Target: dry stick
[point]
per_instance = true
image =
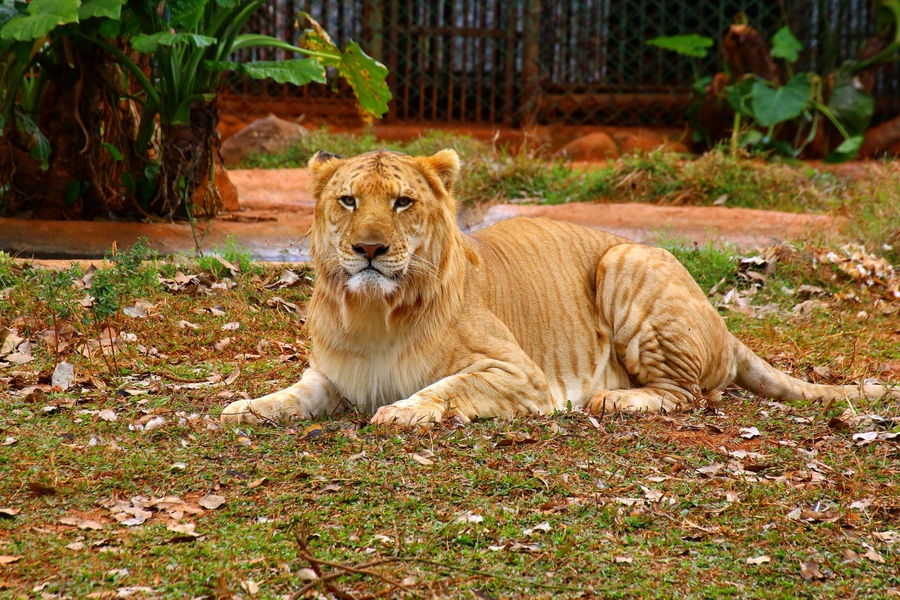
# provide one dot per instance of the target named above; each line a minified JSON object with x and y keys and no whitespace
{"x":361,"y":569}
{"x":471,"y":571}
{"x":316,"y":565}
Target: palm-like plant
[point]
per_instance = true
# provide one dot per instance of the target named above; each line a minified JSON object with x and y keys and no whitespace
{"x":162,"y":65}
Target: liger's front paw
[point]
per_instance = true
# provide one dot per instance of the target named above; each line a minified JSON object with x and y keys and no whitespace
{"x":239,"y":412}
{"x":636,"y":400}
{"x":404,"y":416}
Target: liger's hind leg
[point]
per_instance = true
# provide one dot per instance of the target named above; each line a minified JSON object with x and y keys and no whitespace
{"x":664,"y":332}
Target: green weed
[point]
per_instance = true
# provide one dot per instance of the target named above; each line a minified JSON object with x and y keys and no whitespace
{"x":235,"y":255}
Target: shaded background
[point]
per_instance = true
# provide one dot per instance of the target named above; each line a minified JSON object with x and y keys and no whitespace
{"x":576,"y":62}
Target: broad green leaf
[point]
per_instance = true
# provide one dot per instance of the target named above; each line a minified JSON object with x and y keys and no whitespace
{"x":738,"y":96}
{"x":887,"y":18}
{"x":110,"y":28}
{"x":298,"y":72}
{"x":113,"y":151}
{"x":317,"y":39}
{"x":368,"y":78}
{"x":846,"y":151}
{"x":785,"y":45}
{"x":150,"y":42}
{"x":254,"y":40}
{"x":186,"y":14}
{"x":751,"y":138}
{"x":43,"y":17}
{"x":772,"y":105}
{"x":851,"y":105}
{"x":109,"y":9}
{"x":38,"y":144}
{"x":687,"y":45}
{"x":365,"y":75}
{"x":7,"y":12}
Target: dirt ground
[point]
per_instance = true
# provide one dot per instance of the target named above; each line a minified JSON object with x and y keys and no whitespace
{"x":276,"y":206}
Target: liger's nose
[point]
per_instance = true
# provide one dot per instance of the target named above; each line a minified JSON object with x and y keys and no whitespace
{"x":370,"y":251}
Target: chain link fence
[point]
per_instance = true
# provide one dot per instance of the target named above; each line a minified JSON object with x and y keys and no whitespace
{"x":521,"y":62}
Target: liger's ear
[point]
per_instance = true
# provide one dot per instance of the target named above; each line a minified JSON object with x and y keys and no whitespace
{"x":321,"y":167}
{"x":444,"y":164}
{"x":320,"y":160}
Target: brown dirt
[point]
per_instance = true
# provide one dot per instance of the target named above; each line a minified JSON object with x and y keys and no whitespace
{"x":276,"y":212}
{"x":276,"y":207}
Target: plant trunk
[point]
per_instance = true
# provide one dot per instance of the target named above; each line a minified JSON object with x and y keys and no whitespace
{"x":745,"y":52}
{"x":90,"y":132}
{"x":189,"y":155}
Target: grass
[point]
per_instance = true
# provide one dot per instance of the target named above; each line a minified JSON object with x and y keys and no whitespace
{"x":565,"y":506}
{"x":494,"y":174}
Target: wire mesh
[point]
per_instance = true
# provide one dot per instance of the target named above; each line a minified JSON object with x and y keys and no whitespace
{"x":517,"y":62}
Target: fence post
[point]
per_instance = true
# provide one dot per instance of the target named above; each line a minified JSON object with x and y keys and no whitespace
{"x":531,"y":69}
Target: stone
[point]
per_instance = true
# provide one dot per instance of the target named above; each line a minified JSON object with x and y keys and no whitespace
{"x":595,"y":146}
{"x":263,"y":136}
{"x":643,"y":142}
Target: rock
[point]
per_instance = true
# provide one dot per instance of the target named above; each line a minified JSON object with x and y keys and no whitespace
{"x":227,"y":189}
{"x":594,"y":146}
{"x":642,"y":142}
{"x":207,"y":205}
{"x":267,"y":135}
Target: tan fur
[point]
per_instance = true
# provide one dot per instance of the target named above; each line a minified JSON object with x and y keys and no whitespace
{"x":527,"y":316}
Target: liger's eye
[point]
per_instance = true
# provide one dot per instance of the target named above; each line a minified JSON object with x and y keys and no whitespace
{"x":347,"y":201}
{"x":403,"y":202}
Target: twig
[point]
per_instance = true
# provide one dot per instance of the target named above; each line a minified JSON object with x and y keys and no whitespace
{"x":471,"y":571}
{"x":325,"y":578}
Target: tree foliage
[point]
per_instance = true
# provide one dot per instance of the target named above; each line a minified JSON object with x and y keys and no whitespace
{"x":788,"y":113}
{"x":116,"y":99}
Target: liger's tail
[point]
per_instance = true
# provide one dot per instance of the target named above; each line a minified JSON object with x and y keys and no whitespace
{"x":761,"y":378}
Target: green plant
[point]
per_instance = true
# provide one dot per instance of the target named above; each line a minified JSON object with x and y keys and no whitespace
{"x":160,"y":67}
{"x":786,"y":117}
{"x":58,"y":299}
{"x":234,"y":255}
{"x":709,"y":265}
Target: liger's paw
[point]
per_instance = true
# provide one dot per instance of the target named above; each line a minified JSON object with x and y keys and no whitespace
{"x":239,"y":412}
{"x":635,"y":400}
{"x":404,"y":416}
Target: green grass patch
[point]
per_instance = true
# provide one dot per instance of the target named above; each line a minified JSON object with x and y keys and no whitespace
{"x":124,"y":484}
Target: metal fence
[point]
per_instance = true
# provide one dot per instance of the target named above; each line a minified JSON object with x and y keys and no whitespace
{"x":516,"y":62}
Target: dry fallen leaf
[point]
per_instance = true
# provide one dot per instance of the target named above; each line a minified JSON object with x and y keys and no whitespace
{"x":421,"y":459}
{"x":81,"y":523}
{"x":543,"y":527}
{"x":759,"y":560}
{"x":469,"y":517}
{"x":888,"y":537}
{"x":748,"y":432}
{"x":312,"y":432}
{"x":107,"y":414}
{"x":873,"y":555}
{"x":810,"y":570}
{"x":250,"y":586}
{"x":211,"y":501}
{"x":6,"y":559}
{"x":187,"y":529}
